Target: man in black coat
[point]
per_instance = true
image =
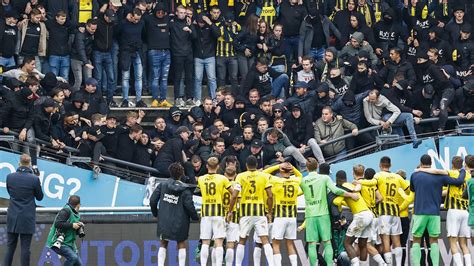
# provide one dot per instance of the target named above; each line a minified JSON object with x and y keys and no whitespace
{"x":23,"y":187}
{"x":172,"y":151}
{"x":175,"y":209}
{"x":81,"y":53}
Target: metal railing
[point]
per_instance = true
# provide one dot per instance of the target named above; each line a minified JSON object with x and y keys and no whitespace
{"x":146,"y":171}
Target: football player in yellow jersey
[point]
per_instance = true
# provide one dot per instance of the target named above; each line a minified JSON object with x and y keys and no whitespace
{"x":285,"y":189}
{"x":252,"y":185}
{"x":390,"y":226}
{"x":371,"y":196}
{"x":212,"y":226}
{"x":233,"y":229}
{"x":361,"y":225}
{"x":405,"y":220}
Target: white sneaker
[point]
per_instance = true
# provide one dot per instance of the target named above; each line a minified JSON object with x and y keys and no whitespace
{"x":131,"y":104}
{"x":197,"y":102}
{"x":179,"y":102}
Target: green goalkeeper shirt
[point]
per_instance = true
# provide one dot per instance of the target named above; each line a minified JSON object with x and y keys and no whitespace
{"x":315,"y":188}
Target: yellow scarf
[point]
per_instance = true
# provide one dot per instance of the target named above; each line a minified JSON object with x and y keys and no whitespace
{"x":366,"y":12}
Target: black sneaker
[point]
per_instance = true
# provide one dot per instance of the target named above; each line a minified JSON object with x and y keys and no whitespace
{"x":124,"y":104}
{"x":113,"y":104}
{"x":141,"y":104}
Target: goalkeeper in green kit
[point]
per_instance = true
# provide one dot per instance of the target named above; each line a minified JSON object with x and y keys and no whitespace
{"x":318,"y":222}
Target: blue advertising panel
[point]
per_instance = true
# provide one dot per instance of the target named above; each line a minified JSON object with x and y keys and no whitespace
{"x":59,"y":181}
{"x":403,"y":157}
{"x":452,"y":146}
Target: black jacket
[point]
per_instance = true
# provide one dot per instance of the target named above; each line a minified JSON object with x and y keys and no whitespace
{"x":142,"y":154}
{"x":388,"y":72}
{"x":157,"y":32}
{"x":96,"y":101}
{"x":42,"y":124}
{"x":246,"y":40}
{"x":58,"y":41}
{"x":180,"y":40}
{"x":103,"y":36}
{"x":429,"y":73}
{"x":299,"y":130}
{"x":400,"y":98}
{"x":82,"y":47}
{"x":205,"y":41}
{"x":171,"y":152}
{"x":17,"y":112}
{"x":8,"y":39}
{"x":23,"y":187}
{"x":172,"y":203}
{"x":464,"y":101}
{"x":291,"y":17}
{"x":261,"y":81}
{"x":387,"y":33}
{"x":127,"y":148}
{"x":361,"y":82}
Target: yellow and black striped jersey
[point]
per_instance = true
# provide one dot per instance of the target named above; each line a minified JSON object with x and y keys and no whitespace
{"x":388,"y":185}
{"x":269,"y":12}
{"x":213,"y":187}
{"x":454,"y":199}
{"x":400,"y":199}
{"x":225,"y":42}
{"x":368,"y":193}
{"x":285,"y":195}
{"x":252,"y":186}
{"x":226,"y":202}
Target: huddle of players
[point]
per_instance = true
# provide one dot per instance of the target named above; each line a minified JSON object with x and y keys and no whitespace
{"x":381,"y":222}
{"x":379,"y":204}
{"x":264,"y":198}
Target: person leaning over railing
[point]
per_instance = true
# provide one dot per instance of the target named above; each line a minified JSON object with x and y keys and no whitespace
{"x":375,"y":104}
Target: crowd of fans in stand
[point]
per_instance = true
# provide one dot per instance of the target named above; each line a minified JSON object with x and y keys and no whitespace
{"x":301,"y":73}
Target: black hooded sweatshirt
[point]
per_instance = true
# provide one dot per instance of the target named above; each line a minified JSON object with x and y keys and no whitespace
{"x":172,"y":204}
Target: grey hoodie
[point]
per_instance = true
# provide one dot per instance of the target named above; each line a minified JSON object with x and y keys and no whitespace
{"x":349,"y":51}
{"x":374,"y":111}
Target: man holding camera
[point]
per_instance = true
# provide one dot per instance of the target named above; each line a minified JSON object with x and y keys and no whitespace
{"x":62,"y":236}
{"x":23,"y":187}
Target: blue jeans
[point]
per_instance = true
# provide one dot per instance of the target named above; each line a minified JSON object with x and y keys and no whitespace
{"x":407,"y":120}
{"x":115,"y":52}
{"x":208,"y":64}
{"x":72,"y":258}
{"x":138,"y":71}
{"x":159,"y":61}
{"x":279,"y":68}
{"x":59,"y":65}
{"x":291,"y":48}
{"x":7,"y":61}
{"x":103,"y":61}
{"x":279,"y":84}
{"x":317,"y":54}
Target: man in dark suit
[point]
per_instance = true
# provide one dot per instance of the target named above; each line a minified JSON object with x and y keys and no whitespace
{"x":23,"y":187}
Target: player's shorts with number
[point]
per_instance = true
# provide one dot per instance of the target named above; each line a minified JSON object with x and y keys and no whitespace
{"x":212,"y":227}
{"x":284,"y":228}
{"x":361,"y":225}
